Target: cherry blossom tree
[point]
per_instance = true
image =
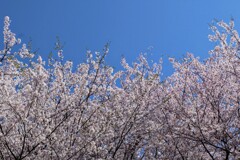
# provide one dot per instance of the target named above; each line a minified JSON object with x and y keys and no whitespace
{"x":52,"y":112}
{"x":56,"y":111}
{"x":204,"y":106}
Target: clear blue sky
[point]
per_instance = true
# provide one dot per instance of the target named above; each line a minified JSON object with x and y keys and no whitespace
{"x":169,"y":27}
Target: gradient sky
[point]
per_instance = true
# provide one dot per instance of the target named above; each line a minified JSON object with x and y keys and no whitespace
{"x":162,"y":28}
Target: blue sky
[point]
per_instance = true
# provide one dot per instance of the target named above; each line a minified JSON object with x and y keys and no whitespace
{"x":162,"y":28}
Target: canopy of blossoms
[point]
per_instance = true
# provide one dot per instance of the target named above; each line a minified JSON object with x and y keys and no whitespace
{"x":51,"y":110}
